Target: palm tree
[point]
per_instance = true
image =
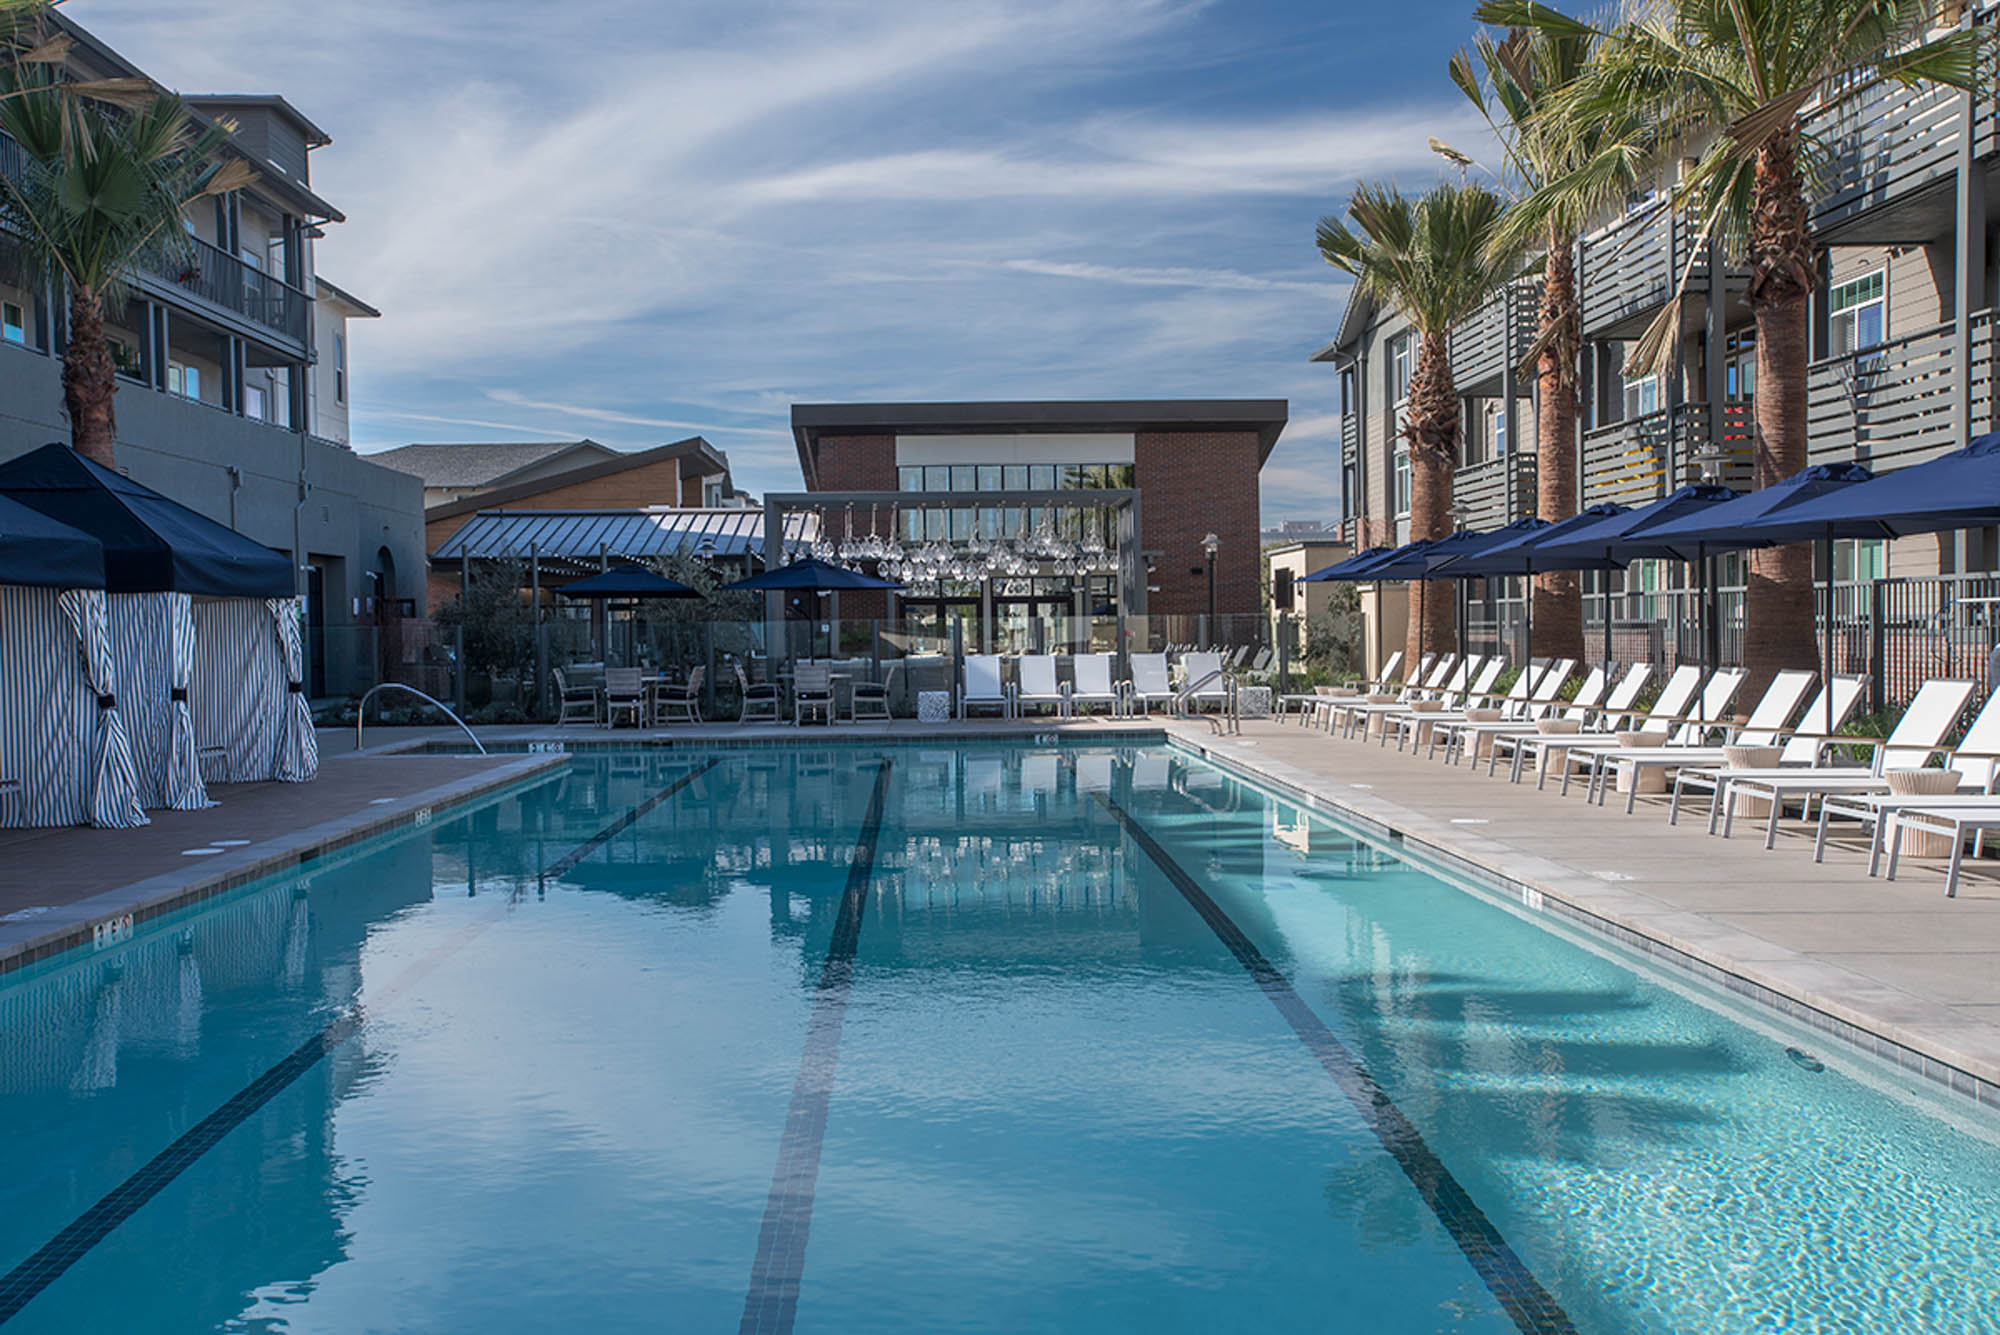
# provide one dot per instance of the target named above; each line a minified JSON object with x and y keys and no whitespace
{"x":1738,"y":75}
{"x":1434,"y":260}
{"x":1512,"y":85}
{"x":110,"y":166}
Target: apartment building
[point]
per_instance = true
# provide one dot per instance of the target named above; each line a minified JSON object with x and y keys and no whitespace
{"x":1903,"y":346}
{"x":234,"y":379}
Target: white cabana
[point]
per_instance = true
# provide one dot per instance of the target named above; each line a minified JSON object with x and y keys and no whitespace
{"x":247,"y":693}
{"x":62,"y":741}
{"x":152,"y":645}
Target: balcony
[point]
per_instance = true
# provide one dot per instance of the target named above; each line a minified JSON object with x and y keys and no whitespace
{"x":1497,"y":333}
{"x":1350,"y":439}
{"x":1636,"y":462}
{"x":1496,"y":492}
{"x":220,"y":281}
{"x":1893,"y":404}
{"x":211,"y":281}
{"x":1885,"y":143}
{"x":1628,"y":270}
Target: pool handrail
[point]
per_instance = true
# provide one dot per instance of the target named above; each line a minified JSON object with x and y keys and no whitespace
{"x":361,"y":711}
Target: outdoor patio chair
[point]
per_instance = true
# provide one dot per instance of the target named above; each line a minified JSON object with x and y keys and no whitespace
{"x":760,"y":702}
{"x":1553,"y":752}
{"x":812,"y":691}
{"x":624,"y":693}
{"x":982,"y":686}
{"x":577,"y":701}
{"x":1346,"y":710}
{"x":1496,"y":737}
{"x":1364,"y":715}
{"x":1974,"y":764}
{"x":684,"y":701}
{"x":1310,"y":704}
{"x":1093,"y":684}
{"x":1409,"y":723}
{"x":870,"y":699}
{"x":1202,"y":680}
{"x":1686,"y":726}
{"x":1916,"y":738}
{"x":1533,"y":692}
{"x":1801,"y":746}
{"x":1149,"y":683}
{"x":1036,"y":684}
{"x":1953,"y":822}
{"x":1764,"y":727}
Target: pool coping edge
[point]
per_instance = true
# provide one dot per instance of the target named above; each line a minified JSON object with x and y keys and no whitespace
{"x":79,"y":923}
{"x":1536,"y":884}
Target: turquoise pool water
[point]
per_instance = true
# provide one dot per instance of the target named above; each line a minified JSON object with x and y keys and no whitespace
{"x":993,"y":1039}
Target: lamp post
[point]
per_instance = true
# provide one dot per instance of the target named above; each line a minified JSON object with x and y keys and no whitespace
{"x":1461,"y":517}
{"x":1210,"y":544}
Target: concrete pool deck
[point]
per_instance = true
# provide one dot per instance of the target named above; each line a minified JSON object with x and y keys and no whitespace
{"x":1893,"y":967}
{"x":61,"y":886}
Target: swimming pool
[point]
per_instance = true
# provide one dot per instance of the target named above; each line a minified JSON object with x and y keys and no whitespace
{"x":995,"y":1038}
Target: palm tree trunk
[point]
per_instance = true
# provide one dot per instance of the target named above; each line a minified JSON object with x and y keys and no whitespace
{"x":1432,"y":426}
{"x":1778,"y":606}
{"x":1558,"y":596}
{"x":89,"y":381}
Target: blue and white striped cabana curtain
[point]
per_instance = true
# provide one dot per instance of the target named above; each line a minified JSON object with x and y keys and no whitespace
{"x":242,"y":691}
{"x":298,"y":744}
{"x":152,"y":644}
{"x":61,"y":737}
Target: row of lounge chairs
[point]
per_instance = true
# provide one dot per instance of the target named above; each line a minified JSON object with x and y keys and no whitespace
{"x":1787,"y":755}
{"x":1036,"y":685}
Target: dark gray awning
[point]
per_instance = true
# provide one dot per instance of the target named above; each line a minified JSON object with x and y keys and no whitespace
{"x":627,"y":535}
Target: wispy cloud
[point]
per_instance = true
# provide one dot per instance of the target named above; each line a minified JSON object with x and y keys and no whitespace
{"x":632,"y":220}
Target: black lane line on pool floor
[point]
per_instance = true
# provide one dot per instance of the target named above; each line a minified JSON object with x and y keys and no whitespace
{"x":1533,"y":1309}
{"x":772,"y":1304}
{"x":625,"y":822}
{"x":20,"y":1286}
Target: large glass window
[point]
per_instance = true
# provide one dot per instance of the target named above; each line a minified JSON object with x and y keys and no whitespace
{"x":910,"y":479}
{"x":13,"y":322}
{"x":1863,"y":559}
{"x":964,"y":477}
{"x":937,"y":477}
{"x":1642,"y":395}
{"x":1402,"y":355}
{"x":989,"y":477}
{"x":1858,"y":314}
{"x":1402,"y":483}
{"x":1042,"y":477}
{"x":1014,"y":477}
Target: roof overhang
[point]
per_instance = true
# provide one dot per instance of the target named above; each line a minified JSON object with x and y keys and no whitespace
{"x":697,"y":458}
{"x":810,"y":421}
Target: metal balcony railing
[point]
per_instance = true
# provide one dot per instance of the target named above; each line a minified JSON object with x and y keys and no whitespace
{"x":1892,"y":404}
{"x":1644,"y":458}
{"x":211,"y":274}
{"x":1350,"y":437}
{"x":1496,"y":492}
{"x":1883,"y":141}
{"x":1629,"y":269}
{"x":1500,"y":331}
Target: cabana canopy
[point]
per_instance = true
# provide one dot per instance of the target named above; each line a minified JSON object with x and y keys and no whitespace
{"x":151,"y":544}
{"x":629,"y":582}
{"x":40,"y":551}
{"x":811,"y":573}
{"x":1957,"y":490}
{"x":1338,"y":570}
{"x":1750,"y":519}
{"x":1518,"y":554}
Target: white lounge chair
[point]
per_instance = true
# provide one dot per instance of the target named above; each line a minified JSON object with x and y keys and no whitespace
{"x":1532,"y":696}
{"x":1309,"y":704}
{"x":1954,"y":823}
{"x":1698,"y":726}
{"x":1037,"y":685}
{"x":1202,"y":681}
{"x":1975,"y":762}
{"x":1916,"y":738}
{"x":1149,"y":682}
{"x":1093,"y":684}
{"x":1448,"y":676}
{"x":983,"y":686}
{"x":1804,"y":746}
{"x":1553,"y":751}
{"x":1492,"y":737}
{"x":1764,"y":727}
{"x":1409,"y":723}
{"x":1432,"y":677}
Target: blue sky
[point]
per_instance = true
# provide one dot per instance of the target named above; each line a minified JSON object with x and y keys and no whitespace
{"x":636,"y":221}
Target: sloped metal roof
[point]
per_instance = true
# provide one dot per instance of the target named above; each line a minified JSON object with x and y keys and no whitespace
{"x":616,"y":534}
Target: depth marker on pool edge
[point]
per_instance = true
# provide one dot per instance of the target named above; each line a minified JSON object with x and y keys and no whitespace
{"x":1533,"y":1309}
{"x":20,"y":1286}
{"x":772,"y":1304}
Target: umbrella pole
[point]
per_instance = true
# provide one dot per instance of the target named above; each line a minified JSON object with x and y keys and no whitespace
{"x":1826,"y":653}
{"x":1528,"y":613}
{"x":1604,"y":595}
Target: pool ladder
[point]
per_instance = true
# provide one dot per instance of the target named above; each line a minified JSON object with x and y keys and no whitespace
{"x":1225,"y":721}
{"x":361,"y":711}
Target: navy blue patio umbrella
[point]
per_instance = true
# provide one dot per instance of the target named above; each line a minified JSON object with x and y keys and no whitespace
{"x":45,"y":552}
{"x":810,"y":574}
{"x":629,"y":582}
{"x":1956,"y":490}
{"x":1446,"y":559}
{"x":1632,"y":535}
{"x":1773,"y":514}
{"x":1338,"y":570}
